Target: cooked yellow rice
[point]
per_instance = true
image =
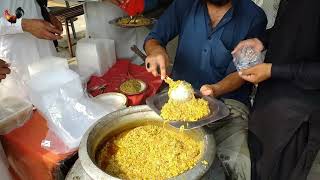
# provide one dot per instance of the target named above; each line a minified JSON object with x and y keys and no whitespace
{"x":191,"y":110}
{"x":150,"y":152}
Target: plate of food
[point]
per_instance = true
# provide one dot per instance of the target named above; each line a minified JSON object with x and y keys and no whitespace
{"x":132,"y":87}
{"x":186,"y":108}
{"x":132,"y":22}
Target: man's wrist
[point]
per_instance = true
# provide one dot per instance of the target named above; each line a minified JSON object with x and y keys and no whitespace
{"x":152,"y":45}
{"x":216,"y":89}
{"x":269,"y":69}
{"x":158,"y":49}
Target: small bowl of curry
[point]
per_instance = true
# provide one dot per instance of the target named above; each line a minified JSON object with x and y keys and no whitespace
{"x":132,"y":87}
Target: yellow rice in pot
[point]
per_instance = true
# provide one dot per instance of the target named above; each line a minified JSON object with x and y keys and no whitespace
{"x":149,"y":152}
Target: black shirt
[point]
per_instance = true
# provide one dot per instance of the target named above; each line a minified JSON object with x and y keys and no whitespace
{"x":292,"y":95}
{"x":295,"y":45}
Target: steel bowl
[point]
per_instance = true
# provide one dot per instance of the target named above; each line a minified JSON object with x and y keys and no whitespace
{"x":129,"y":118}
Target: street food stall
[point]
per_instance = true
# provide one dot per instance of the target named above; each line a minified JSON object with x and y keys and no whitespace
{"x":101,"y":105}
{"x":23,"y":157}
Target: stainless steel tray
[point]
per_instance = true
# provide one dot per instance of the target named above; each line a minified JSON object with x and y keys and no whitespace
{"x":217,"y":108}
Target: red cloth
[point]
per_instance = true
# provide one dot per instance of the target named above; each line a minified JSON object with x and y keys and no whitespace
{"x":119,"y":73}
{"x":132,"y":7}
{"x":27,"y":158}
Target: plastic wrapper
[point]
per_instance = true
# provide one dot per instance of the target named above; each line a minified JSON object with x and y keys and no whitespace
{"x":68,"y":119}
{"x":95,"y":54}
{"x":14,"y":112}
{"x":59,"y":96}
{"x":85,"y":75}
{"x":247,"y":57}
{"x":14,"y":84}
{"x":46,"y":63}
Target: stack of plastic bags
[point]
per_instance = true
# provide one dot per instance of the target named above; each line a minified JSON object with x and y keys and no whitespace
{"x":57,"y":92}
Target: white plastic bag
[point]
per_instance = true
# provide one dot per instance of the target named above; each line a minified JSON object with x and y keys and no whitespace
{"x":47,"y":63}
{"x":59,"y":96}
{"x":246,"y":58}
{"x":14,"y":84}
{"x":14,"y":112}
{"x":95,"y":54}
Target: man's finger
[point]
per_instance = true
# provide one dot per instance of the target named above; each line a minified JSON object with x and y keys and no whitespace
{"x":163,"y":71}
{"x":245,"y":77}
{"x":238,"y":47}
{"x":155,"y":73}
{"x":2,"y":62}
{"x":204,"y":87}
{"x":59,"y":26}
{"x":153,"y":68}
{"x":5,"y":71}
{"x":207,"y":92}
{"x":51,"y":36}
{"x":245,"y":72}
{"x":249,"y":78}
{"x":3,"y":76}
{"x":48,"y":36}
{"x":51,"y":28}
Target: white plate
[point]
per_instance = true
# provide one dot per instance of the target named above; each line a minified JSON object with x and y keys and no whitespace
{"x":116,"y":100}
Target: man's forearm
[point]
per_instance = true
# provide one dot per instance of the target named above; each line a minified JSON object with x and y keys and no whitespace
{"x":229,"y":84}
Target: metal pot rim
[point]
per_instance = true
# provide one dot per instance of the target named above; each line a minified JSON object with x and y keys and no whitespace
{"x":96,"y":173}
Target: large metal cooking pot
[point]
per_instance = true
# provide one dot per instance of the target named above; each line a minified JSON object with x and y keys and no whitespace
{"x":129,"y":118}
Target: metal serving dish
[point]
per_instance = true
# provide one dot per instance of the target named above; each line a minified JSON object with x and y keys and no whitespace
{"x":218,"y":110}
{"x":133,"y":23}
{"x":128,"y":118}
